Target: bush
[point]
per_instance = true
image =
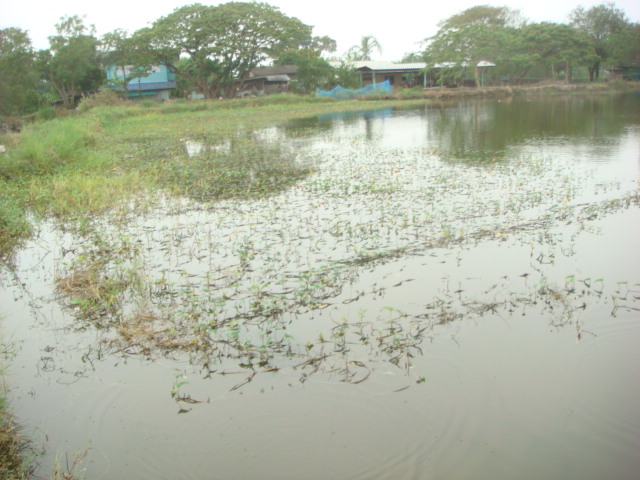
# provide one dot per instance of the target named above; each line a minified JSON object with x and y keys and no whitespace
{"x":104,"y":97}
{"x":44,"y":149}
{"x":46,"y":113}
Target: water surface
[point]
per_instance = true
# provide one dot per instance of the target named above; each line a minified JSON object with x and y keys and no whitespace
{"x":453,"y":292}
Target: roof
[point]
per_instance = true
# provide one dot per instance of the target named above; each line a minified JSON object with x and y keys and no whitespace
{"x":379,"y":66}
{"x":135,"y":86}
{"x":278,"y":78}
{"x":480,"y":64}
{"x":265,"y":72}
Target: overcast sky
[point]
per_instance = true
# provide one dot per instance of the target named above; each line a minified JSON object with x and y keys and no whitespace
{"x":399,"y":26}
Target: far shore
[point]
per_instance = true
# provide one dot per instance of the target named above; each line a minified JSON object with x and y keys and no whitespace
{"x":546,"y":88}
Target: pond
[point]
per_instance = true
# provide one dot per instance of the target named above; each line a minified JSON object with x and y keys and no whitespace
{"x":449,"y":292}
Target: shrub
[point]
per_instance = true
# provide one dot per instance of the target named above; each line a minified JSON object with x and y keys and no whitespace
{"x":104,"y":97}
{"x":43,"y":149}
{"x":46,"y":113}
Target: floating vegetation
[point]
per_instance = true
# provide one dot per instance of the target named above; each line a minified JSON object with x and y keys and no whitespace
{"x":253,"y":284}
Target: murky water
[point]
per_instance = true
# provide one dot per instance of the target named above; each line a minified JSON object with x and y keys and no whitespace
{"x":453,"y":292}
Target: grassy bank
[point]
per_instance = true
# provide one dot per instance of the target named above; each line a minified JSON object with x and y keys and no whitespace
{"x":109,"y":158}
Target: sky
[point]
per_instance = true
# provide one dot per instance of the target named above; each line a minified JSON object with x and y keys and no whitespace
{"x":398,"y":27}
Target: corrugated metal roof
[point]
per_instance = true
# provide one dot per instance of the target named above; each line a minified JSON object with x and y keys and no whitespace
{"x":278,"y":78}
{"x":380,"y":66}
{"x":260,"y":72}
{"x":388,"y":66}
{"x":135,"y":86}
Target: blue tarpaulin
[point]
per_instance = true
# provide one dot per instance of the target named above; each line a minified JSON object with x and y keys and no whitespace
{"x":342,"y":93}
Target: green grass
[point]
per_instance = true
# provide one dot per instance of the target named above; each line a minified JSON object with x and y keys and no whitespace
{"x":100,"y":160}
{"x":13,"y":446}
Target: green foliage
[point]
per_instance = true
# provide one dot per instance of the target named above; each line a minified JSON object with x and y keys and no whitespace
{"x":481,"y":33}
{"x":224,"y":42}
{"x":47,"y":147}
{"x":623,"y":47}
{"x":72,"y":66}
{"x":599,"y":23}
{"x":18,"y":78}
{"x":46,"y":113}
{"x":313,"y":71}
{"x":499,"y":35}
{"x":493,"y":17}
{"x":345,"y":76}
{"x":557,"y":46}
{"x":127,"y":58}
{"x":104,"y":97}
{"x":13,"y":225}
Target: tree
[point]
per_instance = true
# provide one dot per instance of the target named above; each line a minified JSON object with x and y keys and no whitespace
{"x":477,"y":34}
{"x":72,"y":65}
{"x":599,"y":23}
{"x":483,"y":15}
{"x":323,"y":44}
{"x":313,"y":71}
{"x":623,"y":47}
{"x":368,"y":44}
{"x":18,"y":79}
{"x":124,"y":54}
{"x":557,"y":46}
{"x":224,"y":42}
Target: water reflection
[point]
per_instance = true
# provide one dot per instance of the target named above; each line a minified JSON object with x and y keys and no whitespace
{"x":484,"y":131}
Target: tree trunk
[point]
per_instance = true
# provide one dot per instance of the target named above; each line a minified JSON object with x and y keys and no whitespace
{"x":476,"y":75}
{"x":64,"y":96}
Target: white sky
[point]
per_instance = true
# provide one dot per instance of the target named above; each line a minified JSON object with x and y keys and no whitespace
{"x":399,"y":27}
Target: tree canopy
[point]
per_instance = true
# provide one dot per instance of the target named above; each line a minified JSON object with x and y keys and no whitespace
{"x":502,"y":37}
{"x":224,"y":42}
{"x":483,"y":15}
{"x":72,"y":63}
{"x":475,"y":35}
{"x":126,"y":55}
{"x":623,"y":47}
{"x":600,"y":23}
{"x":17,"y":76}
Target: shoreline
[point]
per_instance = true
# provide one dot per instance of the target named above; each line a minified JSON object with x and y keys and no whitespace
{"x":444,"y":93}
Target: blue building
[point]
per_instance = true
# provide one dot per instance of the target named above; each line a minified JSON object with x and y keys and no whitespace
{"x":157,"y":85}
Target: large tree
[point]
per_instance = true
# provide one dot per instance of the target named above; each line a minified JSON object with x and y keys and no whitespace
{"x":599,"y":23}
{"x":623,"y":47}
{"x":313,"y":70}
{"x":478,"y":34}
{"x":224,"y":42}
{"x":557,"y":46}
{"x":17,"y":75}
{"x":483,"y":15}
{"x":72,"y":65}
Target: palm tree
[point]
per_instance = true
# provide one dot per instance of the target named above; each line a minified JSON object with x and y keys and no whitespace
{"x":368,"y":44}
